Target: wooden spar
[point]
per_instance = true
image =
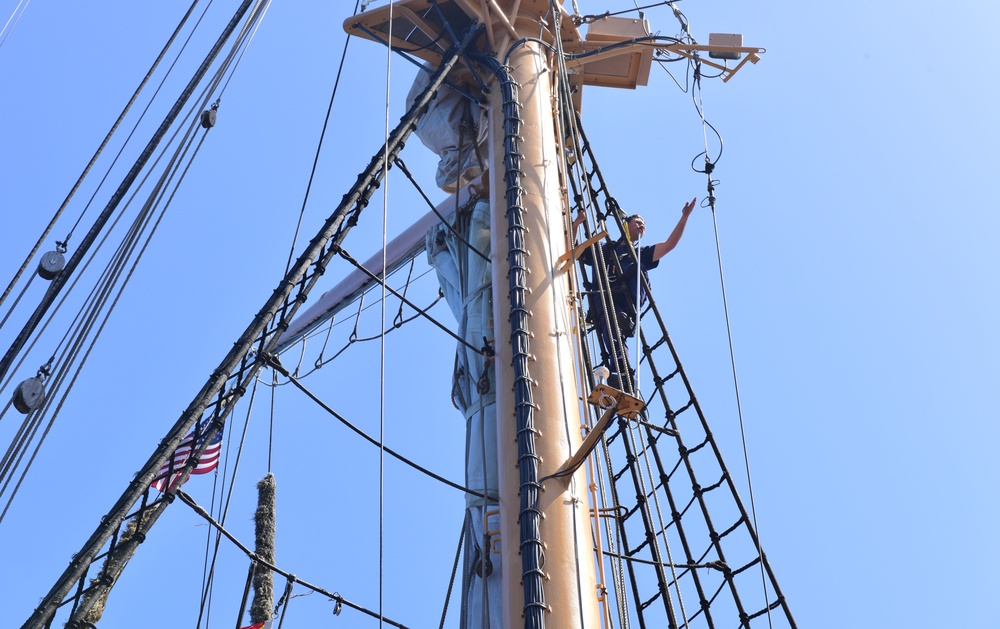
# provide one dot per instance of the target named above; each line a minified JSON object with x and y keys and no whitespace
{"x":568,"y":572}
{"x":398,"y":252}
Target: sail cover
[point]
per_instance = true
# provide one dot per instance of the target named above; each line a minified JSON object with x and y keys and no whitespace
{"x":455,"y":129}
{"x":465,"y":274}
{"x":466,"y":279}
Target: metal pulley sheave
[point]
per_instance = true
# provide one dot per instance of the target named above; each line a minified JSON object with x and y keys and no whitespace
{"x":208,"y":116}
{"x":29,"y":395}
{"x":51,"y":265}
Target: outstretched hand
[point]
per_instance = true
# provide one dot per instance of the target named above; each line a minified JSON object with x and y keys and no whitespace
{"x":689,"y":206}
{"x":663,"y":248}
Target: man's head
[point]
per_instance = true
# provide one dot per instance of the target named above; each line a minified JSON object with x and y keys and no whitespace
{"x":635,"y":227}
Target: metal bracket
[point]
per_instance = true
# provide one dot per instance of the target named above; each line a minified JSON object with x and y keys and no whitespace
{"x":614,"y":402}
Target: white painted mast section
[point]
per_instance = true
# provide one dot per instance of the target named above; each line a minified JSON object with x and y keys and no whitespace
{"x":570,"y":583}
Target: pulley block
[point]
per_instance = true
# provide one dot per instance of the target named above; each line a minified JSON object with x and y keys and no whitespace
{"x":29,"y":395}
{"x":51,"y":265}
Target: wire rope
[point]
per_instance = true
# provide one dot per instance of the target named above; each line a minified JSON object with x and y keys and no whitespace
{"x":312,"y":396}
{"x":17,"y":299}
{"x":586,"y":202}
{"x":340,"y":600}
{"x":363,"y":308}
{"x":409,"y":303}
{"x":12,"y":21}
{"x":120,"y":192}
{"x":319,"y":145}
{"x":560,"y":76}
{"x":586,"y":19}
{"x":207,"y":568}
{"x":224,"y":506}
{"x":270,"y":429}
{"x":138,"y":488}
{"x":169,"y":171}
{"x":242,"y":45}
{"x":86,"y":325}
{"x":381,"y":392}
{"x":112,"y":273}
{"x":406,"y":171}
{"x":100,"y":149}
{"x":135,"y":127}
{"x":709,"y":167}
{"x":454,"y":571}
{"x":644,"y":450}
{"x":647,"y":465}
{"x":638,"y":319}
{"x":322,"y":362}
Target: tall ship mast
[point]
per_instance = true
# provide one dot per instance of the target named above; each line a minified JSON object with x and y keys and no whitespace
{"x":587,"y":488}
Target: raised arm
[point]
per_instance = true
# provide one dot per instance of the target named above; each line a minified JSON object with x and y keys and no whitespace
{"x":661,"y":249}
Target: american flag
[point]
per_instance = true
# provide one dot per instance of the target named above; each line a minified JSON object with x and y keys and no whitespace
{"x":209,"y":459}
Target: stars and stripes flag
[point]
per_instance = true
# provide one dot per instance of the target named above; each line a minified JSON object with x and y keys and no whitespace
{"x":209,"y":459}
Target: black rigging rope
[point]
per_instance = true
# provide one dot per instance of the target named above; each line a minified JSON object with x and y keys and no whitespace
{"x":601,"y":270}
{"x":224,"y":505}
{"x":430,"y":204}
{"x":277,"y":366}
{"x":84,"y":325}
{"x":709,"y":167}
{"x":135,"y":127}
{"x":340,"y":600}
{"x":139,"y":486}
{"x":97,"y":153}
{"x":684,"y":460}
{"x":59,"y":281}
{"x":346,"y":256}
{"x":451,"y":581}
{"x":321,"y":361}
{"x":587,"y":19}
{"x":319,"y":145}
{"x":422,"y":67}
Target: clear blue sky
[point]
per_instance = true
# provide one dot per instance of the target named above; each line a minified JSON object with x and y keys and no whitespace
{"x":857,"y":216}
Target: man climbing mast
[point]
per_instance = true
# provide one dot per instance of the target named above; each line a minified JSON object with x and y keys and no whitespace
{"x":623,"y":287}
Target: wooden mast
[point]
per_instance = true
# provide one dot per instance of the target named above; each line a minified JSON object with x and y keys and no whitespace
{"x":568,"y":575}
{"x":560,"y":577}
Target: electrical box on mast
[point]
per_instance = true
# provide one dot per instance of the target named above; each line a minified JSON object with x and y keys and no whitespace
{"x":622,"y":67}
{"x":733,"y":40}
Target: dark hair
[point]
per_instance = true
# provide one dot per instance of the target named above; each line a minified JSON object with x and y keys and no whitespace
{"x":626,"y":235}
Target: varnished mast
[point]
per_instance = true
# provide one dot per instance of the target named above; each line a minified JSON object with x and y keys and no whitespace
{"x":559,"y":563}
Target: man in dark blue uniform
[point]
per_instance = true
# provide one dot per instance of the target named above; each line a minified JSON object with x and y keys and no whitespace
{"x":624,"y":284}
